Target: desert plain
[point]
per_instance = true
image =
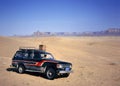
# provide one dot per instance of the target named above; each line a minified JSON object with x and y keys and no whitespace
{"x":96,"y":60}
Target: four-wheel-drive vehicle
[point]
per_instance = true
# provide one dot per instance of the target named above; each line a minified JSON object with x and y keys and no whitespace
{"x":34,"y":60}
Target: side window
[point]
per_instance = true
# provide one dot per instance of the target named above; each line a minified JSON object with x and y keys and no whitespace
{"x":31,"y":55}
{"x":25,"y":55}
{"x":28,"y":55}
{"x":18,"y":55}
{"x":37,"y":55}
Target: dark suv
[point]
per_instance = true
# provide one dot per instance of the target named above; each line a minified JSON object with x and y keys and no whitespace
{"x":34,"y":60}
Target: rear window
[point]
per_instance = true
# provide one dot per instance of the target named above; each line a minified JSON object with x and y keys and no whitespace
{"x":18,"y":55}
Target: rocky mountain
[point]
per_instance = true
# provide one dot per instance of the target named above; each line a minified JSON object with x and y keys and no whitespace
{"x":108,"y":32}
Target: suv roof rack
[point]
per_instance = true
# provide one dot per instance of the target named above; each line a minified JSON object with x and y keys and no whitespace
{"x":26,"y":48}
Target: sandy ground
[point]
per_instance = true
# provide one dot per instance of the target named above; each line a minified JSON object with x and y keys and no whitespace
{"x":96,"y":61}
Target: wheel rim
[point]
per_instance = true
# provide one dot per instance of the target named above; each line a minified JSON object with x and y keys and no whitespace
{"x":20,"y":70}
{"x":50,"y":74}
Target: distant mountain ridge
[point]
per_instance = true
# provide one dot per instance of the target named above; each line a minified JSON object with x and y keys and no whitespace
{"x":108,"y":32}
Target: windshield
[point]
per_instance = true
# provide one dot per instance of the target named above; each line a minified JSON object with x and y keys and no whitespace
{"x":47,"y":56}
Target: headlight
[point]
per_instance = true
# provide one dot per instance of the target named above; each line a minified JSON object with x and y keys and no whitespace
{"x":70,"y":66}
{"x":59,"y":66}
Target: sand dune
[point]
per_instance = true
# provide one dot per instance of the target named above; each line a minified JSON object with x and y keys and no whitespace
{"x":96,"y":60}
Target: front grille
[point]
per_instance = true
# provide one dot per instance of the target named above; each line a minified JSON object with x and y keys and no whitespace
{"x":66,"y":65}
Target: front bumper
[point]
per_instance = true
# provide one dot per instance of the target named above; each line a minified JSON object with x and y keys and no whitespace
{"x":62,"y":71}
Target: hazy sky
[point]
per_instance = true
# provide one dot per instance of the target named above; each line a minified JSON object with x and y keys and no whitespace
{"x":26,"y":16}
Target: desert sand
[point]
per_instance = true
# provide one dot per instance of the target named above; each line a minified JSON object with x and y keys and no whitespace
{"x":96,"y":61}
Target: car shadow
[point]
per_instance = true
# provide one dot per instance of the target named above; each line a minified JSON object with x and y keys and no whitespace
{"x":11,"y":69}
{"x":35,"y":74}
{"x":32,"y":73}
{"x":26,"y":72}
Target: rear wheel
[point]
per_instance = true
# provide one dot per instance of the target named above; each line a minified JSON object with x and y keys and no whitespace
{"x":21,"y":69}
{"x":50,"y":73}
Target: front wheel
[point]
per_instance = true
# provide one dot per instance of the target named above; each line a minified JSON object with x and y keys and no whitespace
{"x":50,"y":73}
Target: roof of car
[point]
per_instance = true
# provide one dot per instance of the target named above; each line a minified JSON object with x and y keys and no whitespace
{"x":33,"y":50}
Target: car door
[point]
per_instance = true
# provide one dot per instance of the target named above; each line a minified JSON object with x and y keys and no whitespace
{"x":28,"y":59}
{"x":32,"y":59}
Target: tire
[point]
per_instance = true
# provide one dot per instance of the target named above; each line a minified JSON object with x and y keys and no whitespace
{"x":66,"y":75}
{"x":50,"y":73}
{"x":21,"y":69}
